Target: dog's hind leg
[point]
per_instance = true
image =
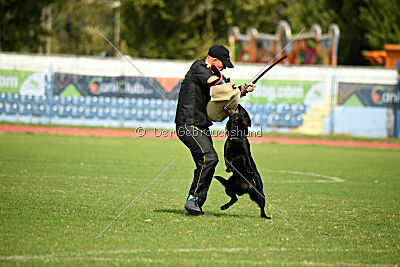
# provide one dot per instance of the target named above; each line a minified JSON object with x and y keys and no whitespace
{"x":222,"y":180}
{"x":228,"y":159}
{"x":228,"y":191}
{"x":231,"y":202}
{"x":260,"y":200}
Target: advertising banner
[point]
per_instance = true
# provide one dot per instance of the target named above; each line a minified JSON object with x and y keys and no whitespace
{"x":22,"y":82}
{"x":121,"y":86}
{"x":290,"y":92}
{"x":376,"y":95}
{"x":267,"y":91}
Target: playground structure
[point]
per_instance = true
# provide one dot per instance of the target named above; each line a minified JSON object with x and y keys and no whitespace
{"x":309,"y":48}
{"x":388,"y":57}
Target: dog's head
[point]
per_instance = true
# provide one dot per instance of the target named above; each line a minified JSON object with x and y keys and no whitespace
{"x":238,"y":123}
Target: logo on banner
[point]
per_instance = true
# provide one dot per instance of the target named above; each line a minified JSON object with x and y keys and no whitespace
{"x":8,"y":81}
{"x":376,"y":94}
{"x":356,"y":94}
{"x":33,"y":85}
{"x":94,"y":88}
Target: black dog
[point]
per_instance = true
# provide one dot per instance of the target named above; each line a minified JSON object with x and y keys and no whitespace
{"x":239,"y":161}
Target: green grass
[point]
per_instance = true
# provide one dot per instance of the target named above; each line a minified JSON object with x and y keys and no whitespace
{"x":59,"y":192}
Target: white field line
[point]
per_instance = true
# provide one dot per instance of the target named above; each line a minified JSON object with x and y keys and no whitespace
{"x":74,"y":162}
{"x":231,"y":250}
{"x":205,"y":260}
{"x":182,"y":261}
{"x":65,"y":176}
{"x":329,"y":179}
{"x":84,"y":255}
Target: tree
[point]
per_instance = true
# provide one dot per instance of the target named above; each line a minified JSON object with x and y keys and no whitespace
{"x":302,"y":14}
{"x":382,"y":19}
{"x":20,"y":25}
{"x":184,"y":29}
{"x":74,"y":24}
{"x":165,"y":29}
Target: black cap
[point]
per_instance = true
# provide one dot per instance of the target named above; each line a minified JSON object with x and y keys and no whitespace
{"x":222,"y":53}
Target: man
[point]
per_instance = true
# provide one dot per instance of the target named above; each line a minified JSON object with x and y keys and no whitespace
{"x":192,"y":122}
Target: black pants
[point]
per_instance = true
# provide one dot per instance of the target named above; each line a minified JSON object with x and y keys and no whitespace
{"x":201,"y":146}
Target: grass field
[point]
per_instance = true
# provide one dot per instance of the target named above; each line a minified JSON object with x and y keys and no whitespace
{"x":59,"y":192}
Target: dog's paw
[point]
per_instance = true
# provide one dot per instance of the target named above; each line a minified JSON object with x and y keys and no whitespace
{"x":265,"y":217}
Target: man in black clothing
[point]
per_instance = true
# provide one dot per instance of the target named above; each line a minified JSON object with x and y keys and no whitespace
{"x":192,"y":122}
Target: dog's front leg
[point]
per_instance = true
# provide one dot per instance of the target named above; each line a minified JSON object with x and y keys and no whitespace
{"x":249,"y":165}
{"x":249,"y":162}
{"x":227,"y":158}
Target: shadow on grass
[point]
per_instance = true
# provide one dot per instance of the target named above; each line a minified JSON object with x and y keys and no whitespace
{"x":181,"y":212}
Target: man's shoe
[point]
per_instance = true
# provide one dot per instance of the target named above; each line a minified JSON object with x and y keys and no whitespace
{"x":192,"y":207}
{"x":205,"y":214}
{"x":196,"y":214}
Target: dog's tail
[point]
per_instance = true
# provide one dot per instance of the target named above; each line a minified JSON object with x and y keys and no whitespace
{"x":222,"y":180}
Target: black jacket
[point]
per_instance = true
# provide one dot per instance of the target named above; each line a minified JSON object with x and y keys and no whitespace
{"x":194,"y":96}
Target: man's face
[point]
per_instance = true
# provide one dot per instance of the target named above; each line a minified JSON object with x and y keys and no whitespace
{"x":218,"y":63}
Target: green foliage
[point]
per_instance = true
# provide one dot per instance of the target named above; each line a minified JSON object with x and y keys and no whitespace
{"x":304,"y":13}
{"x":184,"y":29}
{"x":365,"y":25}
{"x":166,"y":29}
{"x":346,"y":14}
{"x":74,"y":24}
{"x":20,"y":28}
{"x":383,"y":21}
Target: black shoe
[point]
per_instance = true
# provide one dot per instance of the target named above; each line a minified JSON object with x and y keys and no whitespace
{"x":196,"y":214}
{"x":192,"y":207}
